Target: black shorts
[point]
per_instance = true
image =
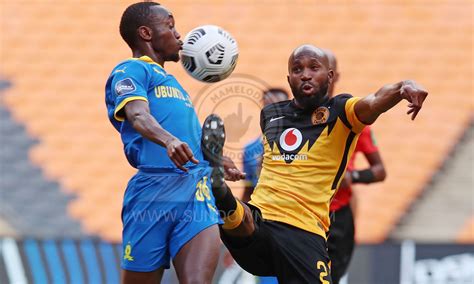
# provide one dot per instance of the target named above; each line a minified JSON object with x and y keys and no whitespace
{"x":341,"y":242}
{"x":277,"y":249}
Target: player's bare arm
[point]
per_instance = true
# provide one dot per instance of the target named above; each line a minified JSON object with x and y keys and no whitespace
{"x":369,"y":108}
{"x":138,"y":113}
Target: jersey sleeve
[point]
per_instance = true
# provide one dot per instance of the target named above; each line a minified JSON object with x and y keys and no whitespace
{"x":356,"y":125}
{"x":130,"y":82}
{"x":366,"y":143}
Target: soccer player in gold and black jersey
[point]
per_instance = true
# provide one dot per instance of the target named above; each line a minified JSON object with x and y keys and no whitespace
{"x":308,"y":142}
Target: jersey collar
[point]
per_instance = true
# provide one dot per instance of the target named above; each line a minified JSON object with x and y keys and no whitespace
{"x":147,"y":59}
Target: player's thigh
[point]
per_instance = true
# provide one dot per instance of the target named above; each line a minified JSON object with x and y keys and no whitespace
{"x":133,"y":277}
{"x":196,"y":261}
{"x":301,"y":256}
{"x":247,"y":226}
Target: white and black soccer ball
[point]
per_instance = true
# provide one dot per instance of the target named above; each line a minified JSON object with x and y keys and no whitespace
{"x":209,"y":53}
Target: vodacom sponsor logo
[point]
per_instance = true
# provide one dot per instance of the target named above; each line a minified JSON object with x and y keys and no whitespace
{"x":291,"y":139}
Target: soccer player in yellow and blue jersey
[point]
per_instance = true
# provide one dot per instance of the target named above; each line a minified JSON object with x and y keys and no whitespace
{"x":168,"y":208}
{"x":308,"y":141}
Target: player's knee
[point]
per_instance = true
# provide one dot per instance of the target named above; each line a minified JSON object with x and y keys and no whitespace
{"x":247,"y":221}
{"x":246,"y":226}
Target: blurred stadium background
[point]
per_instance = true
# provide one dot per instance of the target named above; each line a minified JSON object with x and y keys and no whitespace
{"x":63,"y":173}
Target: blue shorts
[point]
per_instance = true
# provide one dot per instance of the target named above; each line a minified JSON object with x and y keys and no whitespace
{"x":161,"y":213}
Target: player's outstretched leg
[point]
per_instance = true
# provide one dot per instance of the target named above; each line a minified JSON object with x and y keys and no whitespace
{"x":237,"y":216}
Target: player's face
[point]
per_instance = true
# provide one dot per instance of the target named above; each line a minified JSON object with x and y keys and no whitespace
{"x":309,"y":78}
{"x":166,"y":40}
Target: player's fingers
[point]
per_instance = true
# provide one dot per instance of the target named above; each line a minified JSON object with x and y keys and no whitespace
{"x":182,"y":168}
{"x":181,"y":154}
{"x":175,"y":157}
{"x":231,"y":174}
{"x":410,"y":110}
{"x":415,"y":113}
{"x":180,"y":158}
{"x":194,"y":160}
{"x":190,"y":155}
{"x":229,"y":177}
{"x":238,"y":175}
{"x":178,"y":164}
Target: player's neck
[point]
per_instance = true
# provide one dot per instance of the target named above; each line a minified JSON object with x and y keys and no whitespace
{"x":151,"y":55}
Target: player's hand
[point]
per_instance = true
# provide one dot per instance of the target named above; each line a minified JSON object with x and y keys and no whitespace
{"x":346,"y":181}
{"x":180,"y":153}
{"x":415,"y":94}
{"x":231,"y":172}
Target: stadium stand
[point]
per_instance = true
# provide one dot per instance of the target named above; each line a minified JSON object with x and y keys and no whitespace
{"x":29,"y":204}
{"x":445,"y":200}
{"x":58,"y":57}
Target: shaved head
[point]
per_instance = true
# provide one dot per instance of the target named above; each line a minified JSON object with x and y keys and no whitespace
{"x":309,"y":76}
{"x":309,"y":50}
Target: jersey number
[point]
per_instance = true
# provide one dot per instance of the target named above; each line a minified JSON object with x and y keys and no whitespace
{"x":323,"y":273}
{"x":202,"y":190}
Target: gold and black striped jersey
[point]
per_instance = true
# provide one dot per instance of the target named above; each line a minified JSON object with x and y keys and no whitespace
{"x":305,"y":158}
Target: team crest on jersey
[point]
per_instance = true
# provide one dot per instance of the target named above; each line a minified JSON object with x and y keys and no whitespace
{"x":291,"y":139}
{"x":125,"y":86}
{"x":320,"y":116}
{"x":127,"y":253}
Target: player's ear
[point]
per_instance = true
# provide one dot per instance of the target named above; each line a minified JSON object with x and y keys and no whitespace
{"x":144,"y":33}
{"x":331,"y":76}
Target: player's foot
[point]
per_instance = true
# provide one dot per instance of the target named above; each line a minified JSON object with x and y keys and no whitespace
{"x":213,"y":138}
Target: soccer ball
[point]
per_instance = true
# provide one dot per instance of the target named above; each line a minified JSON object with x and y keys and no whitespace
{"x":209,"y":53}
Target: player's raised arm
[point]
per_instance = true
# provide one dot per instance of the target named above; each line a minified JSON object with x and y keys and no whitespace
{"x":369,"y":108}
{"x":138,"y":114}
